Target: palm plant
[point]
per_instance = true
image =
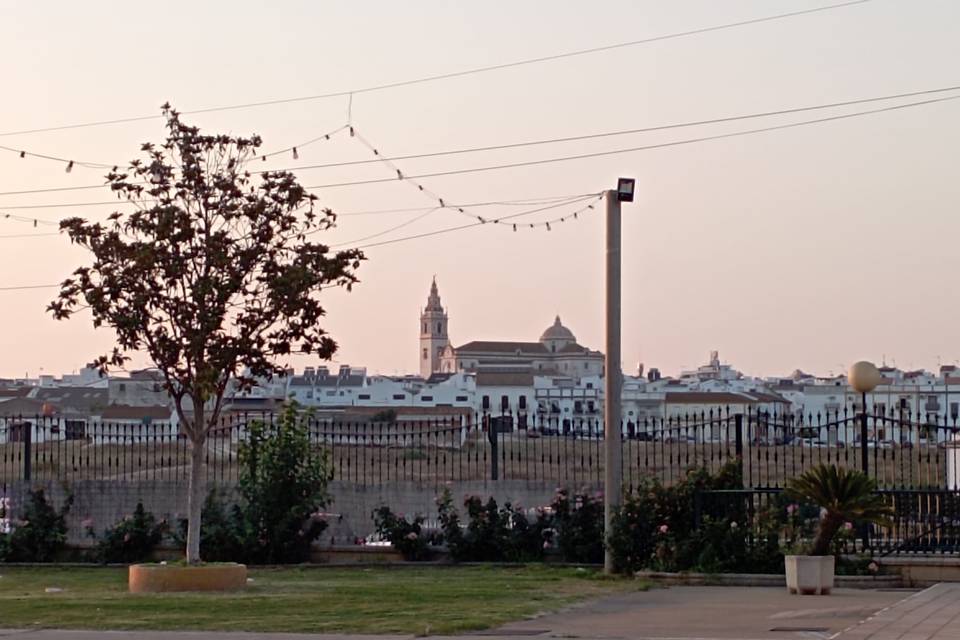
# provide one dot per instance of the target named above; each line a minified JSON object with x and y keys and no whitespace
{"x":843,"y":496}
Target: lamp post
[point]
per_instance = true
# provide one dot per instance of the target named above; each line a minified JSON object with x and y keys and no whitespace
{"x":864,"y":378}
{"x":613,"y":480}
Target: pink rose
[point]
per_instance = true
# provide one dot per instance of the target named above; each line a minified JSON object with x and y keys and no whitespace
{"x":848,"y":526}
{"x":663,"y":528}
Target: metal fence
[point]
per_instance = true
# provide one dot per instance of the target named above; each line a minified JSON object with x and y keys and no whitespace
{"x":900,"y":453}
{"x":914,"y":461}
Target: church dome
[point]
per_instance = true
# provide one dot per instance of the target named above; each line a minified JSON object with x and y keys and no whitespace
{"x":558,"y":332}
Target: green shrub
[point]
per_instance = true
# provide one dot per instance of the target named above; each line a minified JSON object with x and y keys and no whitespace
{"x":222,"y":537}
{"x":655,"y":528}
{"x":130,"y":540}
{"x":578,"y":522}
{"x":283,"y":487}
{"x":406,"y":537}
{"x":492,"y":533}
{"x":39,"y":534}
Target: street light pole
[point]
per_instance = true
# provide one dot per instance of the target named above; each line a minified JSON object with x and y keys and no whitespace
{"x":613,"y":481}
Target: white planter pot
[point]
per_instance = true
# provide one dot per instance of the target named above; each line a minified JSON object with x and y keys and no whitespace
{"x":809,"y":575}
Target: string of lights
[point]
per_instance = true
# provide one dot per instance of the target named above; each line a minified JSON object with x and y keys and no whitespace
{"x":456,"y":74}
{"x":525,"y":202}
{"x":294,"y":150}
{"x":606,"y":134}
{"x":547,"y":224}
{"x":575,"y":215}
{"x":400,"y":176}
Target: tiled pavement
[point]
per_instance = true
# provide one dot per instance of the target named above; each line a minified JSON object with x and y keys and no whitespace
{"x":932,"y":614}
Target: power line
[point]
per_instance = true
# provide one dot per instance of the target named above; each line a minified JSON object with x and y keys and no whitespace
{"x":456,"y":74}
{"x":29,"y":286}
{"x":437,"y":232}
{"x":622,"y":132}
{"x":661,"y":145}
{"x":405,"y":223}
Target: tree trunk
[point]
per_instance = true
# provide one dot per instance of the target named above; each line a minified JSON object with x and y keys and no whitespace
{"x":195,"y":499}
{"x":829,"y":525}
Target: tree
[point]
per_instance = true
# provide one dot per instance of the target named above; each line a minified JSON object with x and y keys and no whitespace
{"x":213,"y":275}
{"x":843,"y":495}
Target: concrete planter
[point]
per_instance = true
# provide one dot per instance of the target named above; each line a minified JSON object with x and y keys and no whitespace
{"x":809,"y":575}
{"x":156,"y":578}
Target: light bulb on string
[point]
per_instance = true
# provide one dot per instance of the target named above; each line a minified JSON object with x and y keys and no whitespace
{"x":23,"y":154}
{"x":70,"y":166}
{"x":296,"y":156}
{"x":514,"y":227}
{"x":399,"y":175}
{"x":548,"y":226}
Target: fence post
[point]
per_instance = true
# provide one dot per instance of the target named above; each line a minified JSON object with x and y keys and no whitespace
{"x":494,"y":454}
{"x":864,"y":464}
{"x":697,"y":508}
{"x":738,"y":443}
{"x":27,"y":430}
{"x":864,"y":457}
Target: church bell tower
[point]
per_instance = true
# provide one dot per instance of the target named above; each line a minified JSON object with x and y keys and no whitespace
{"x":433,"y":333}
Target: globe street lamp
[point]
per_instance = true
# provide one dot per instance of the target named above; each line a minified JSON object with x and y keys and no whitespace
{"x":864,"y":378}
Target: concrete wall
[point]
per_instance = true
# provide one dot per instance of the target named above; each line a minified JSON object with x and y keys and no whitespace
{"x":105,"y":502}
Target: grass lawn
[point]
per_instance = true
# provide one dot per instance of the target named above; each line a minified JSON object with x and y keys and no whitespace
{"x":404,"y":600}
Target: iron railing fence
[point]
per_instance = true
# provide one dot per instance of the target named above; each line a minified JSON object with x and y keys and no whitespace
{"x":925,"y":521}
{"x":899,"y":452}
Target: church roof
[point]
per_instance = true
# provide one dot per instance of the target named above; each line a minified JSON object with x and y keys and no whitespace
{"x":577,"y":348}
{"x":482,"y":346}
{"x":504,"y":379}
{"x":557,"y":331}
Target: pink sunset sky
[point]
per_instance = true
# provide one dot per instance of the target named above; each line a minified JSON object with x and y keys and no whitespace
{"x":809,"y":247}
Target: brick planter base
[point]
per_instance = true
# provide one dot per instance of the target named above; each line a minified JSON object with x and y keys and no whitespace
{"x":155,"y":578}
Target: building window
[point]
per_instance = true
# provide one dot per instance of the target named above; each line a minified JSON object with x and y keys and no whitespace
{"x":486,"y":403}
{"x":504,"y":403}
{"x":439,"y":351}
{"x":522,"y":403}
{"x":586,"y":366}
{"x":426,"y":354}
{"x":462,"y":399}
{"x":578,"y":407}
{"x":364,"y":396}
{"x":440,"y":328}
{"x":399,"y":396}
{"x":589,"y":385}
{"x":427,"y":398}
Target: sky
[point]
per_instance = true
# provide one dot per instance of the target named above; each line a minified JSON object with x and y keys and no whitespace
{"x":810,"y":247}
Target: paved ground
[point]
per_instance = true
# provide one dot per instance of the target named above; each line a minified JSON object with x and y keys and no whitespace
{"x":933,"y":614}
{"x":746,"y":613}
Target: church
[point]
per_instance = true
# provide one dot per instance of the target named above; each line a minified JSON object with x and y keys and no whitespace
{"x":555,"y":353}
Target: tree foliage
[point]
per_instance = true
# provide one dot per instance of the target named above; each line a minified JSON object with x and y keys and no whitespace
{"x":844,"y":495}
{"x":215,"y":273}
